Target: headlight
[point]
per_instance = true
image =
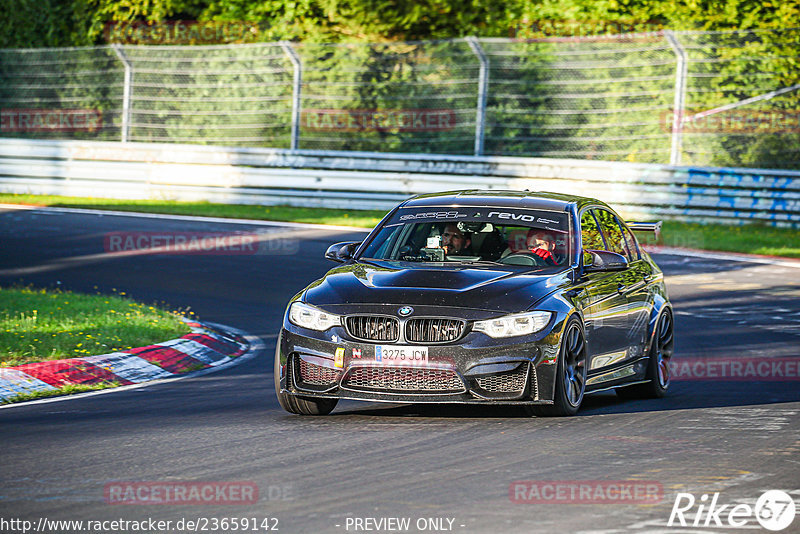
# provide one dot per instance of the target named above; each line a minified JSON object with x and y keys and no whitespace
{"x":307,"y":316}
{"x":518,"y":324}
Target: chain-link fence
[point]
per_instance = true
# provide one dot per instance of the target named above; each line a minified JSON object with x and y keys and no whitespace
{"x":699,"y":98}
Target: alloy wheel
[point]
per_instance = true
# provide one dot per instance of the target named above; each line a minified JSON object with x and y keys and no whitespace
{"x":574,"y":365}
{"x":664,"y":344}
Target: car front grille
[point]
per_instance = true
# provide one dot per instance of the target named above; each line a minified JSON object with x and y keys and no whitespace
{"x":432,"y":330}
{"x":373,"y":328}
{"x":317,"y":375}
{"x":403,"y":379}
{"x":506,"y":382}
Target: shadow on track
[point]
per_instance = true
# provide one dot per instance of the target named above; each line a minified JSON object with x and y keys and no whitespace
{"x":682,"y":396}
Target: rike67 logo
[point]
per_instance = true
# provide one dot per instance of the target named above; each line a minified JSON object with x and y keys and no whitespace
{"x":774,"y":510}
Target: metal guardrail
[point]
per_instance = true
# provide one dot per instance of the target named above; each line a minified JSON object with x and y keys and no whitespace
{"x":370,"y":180}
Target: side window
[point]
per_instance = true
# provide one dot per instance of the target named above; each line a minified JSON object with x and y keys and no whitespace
{"x":615,"y":241}
{"x":590,"y":233}
{"x":633,"y":246}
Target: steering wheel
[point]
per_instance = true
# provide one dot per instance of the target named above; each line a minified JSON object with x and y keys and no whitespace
{"x":523,"y":258}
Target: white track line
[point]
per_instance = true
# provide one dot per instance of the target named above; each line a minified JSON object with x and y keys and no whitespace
{"x":257,"y":222}
{"x":729,"y":256}
{"x":654,"y":249}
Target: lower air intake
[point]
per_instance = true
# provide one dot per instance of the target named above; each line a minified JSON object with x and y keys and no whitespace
{"x":316,"y":375}
{"x":403,"y":379}
{"x":506,"y":382}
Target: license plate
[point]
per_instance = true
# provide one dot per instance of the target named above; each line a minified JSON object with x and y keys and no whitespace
{"x":400,"y":354}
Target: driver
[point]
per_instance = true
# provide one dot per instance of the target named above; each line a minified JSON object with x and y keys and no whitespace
{"x":542,"y":244}
{"x":455,"y":242}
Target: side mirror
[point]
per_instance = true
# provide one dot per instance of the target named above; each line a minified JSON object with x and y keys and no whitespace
{"x":598,"y":261}
{"x":341,"y":252}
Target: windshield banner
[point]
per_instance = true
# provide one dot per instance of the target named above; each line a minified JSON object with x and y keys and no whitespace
{"x":550,"y":220}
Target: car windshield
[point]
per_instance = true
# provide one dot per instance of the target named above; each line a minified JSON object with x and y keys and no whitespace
{"x":524,"y":237}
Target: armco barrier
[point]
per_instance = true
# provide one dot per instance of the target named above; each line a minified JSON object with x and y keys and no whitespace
{"x":379,"y":181}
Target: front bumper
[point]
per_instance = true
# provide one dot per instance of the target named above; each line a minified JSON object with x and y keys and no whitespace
{"x":476,"y":369}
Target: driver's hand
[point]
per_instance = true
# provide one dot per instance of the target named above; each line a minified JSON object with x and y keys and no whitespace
{"x":544,"y":254}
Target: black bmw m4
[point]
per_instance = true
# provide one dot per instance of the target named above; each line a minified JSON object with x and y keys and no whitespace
{"x":481,"y":297}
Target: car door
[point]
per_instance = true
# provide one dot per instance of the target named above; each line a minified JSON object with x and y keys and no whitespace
{"x":639,"y":294}
{"x":631,"y":283}
{"x":604,"y":306}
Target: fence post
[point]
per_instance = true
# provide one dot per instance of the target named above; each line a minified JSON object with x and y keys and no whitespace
{"x":483,"y":86}
{"x":296,"y":86}
{"x":680,"y":97}
{"x":126,"y":92}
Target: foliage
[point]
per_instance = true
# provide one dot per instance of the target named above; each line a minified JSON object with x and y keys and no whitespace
{"x":40,"y":23}
{"x":37,"y":23}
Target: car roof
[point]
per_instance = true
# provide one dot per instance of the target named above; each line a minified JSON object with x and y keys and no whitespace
{"x":501,"y":199}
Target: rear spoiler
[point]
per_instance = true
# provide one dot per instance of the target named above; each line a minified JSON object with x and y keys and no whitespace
{"x":654,"y":227}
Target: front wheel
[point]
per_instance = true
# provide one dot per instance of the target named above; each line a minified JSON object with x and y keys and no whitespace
{"x":299,"y":405}
{"x":570,"y":374}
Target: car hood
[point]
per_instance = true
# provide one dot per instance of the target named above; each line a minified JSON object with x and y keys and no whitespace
{"x":493,"y":288}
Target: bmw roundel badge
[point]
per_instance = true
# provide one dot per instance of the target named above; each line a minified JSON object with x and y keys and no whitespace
{"x":405,"y":311}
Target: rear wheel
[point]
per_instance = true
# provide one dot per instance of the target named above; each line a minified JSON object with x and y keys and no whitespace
{"x":299,"y":405}
{"x":570,"y":374}
{"x":658,"y":371}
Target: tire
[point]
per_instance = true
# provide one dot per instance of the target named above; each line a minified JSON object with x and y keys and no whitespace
{"x":570,"y":374}
{"x":298,"y":405}
{"x":658,"y":372}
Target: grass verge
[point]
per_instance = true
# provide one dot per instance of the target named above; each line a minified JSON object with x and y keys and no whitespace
{"x":64,"y":390}
{"x":359,"y":218}
{"x":749,"y":239}
{"x":39,"y":325}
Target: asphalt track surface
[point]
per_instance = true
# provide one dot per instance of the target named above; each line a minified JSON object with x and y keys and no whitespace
{"x":738,"y":438}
